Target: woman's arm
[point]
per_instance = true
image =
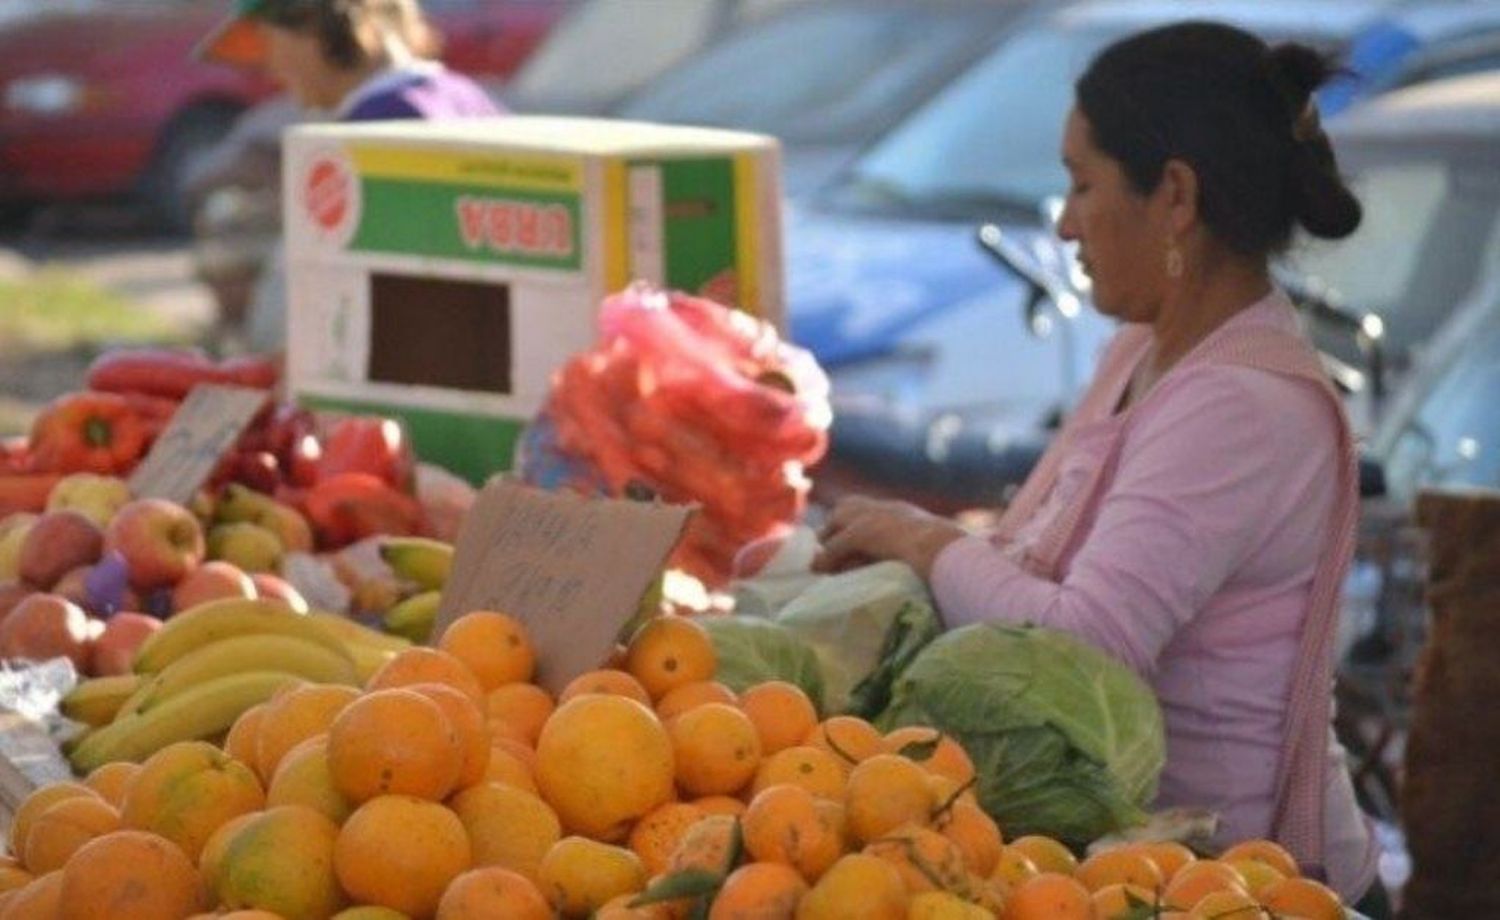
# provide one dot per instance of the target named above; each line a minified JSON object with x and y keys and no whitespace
{"x":1201,"y":481}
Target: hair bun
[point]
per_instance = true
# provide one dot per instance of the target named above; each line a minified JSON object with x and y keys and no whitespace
{"x":1323,"y":203}
{"x":1299,"y":70}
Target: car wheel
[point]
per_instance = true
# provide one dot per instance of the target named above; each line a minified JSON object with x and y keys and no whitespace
{"x":191,"y":134}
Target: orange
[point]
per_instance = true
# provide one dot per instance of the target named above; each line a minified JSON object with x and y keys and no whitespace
{"x":689,"y":696}
{"x":1169,"y":855}
{"x":521,"y":751}
{"x":421,"y":665}
{"x":812,"y":768}
{"x":280,"y":860}
{"x":975,"y":833}
{"x":394,"y":741}
{"x":243,"y":739}
{"x":1119,"y":900}
{"x":38,"y":899}
{"x":305,"y":712}
{"x":111,"y":779}
{"x":782,"y":825}
{"x":1120,"y":865}
{"x":1302,"y":897}
{"x":131,"y":874}
{"x":58,"y":832}
{"x":935,"y":751}
{"x":603,"y":762}
{"x":1014,"y":867}
{"x":849,"y":738}
{"x":493,"y":893}
{"x":1048,"y":854}
{"x":759,"y":891}
{"x":669,"y":651}
{"x":1263,"y":851}
{"x":1257,"y":874}
{"x":607,"y":681}
{"x":506,"y":767}
{"x":303,"y":778}
{"x":493,"y":646}
{"x":782,"y":713}
{"x":185,"y":791}
{"x":943,"y":905}
{"x":927,"y":860}
{"x":579,"y":875}
{"x":522,"y":707}
{"x":655,"y":836}
{"x":1228,"y":905}
{"x":38,"y":802}
{"x":716,"y":750}
{"x":832,"y":815}
{"x":13,"y":876}
{"x":211,"y":860}
{"x":720,"y":805}
{"x":401,"y":852}
{"x":507,"y":827}
{"x":885,"y":792}
{"x":858,"y":885}
{"x":467,"y":720}
{"x":1050,"y":896}
{"x":619,"y":909}
{"x":1197,"y":880}
{"x":706,"y":846}
{"x":369,"y":912}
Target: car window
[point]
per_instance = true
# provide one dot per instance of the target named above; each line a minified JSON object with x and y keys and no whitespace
{"x":868,"y":61}
{"x":607,"y":48}
{"x":1418,"y":250}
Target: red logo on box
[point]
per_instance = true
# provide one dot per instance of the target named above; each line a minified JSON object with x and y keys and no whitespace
{"x":327,"y":194}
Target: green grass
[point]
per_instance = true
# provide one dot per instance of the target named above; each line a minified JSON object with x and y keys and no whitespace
{"x":53,"y":310}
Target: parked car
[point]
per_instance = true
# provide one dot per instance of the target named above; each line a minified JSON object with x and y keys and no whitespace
{"x":604,"y":50}
{"x":930,"y":340}
{"x":875,"y":61}
{"x":1414,"y":43}
{"x":82,"y":117}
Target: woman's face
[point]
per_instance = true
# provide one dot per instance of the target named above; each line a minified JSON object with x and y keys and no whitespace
{"x":1121,"y":234}
{"x":295,"y":60}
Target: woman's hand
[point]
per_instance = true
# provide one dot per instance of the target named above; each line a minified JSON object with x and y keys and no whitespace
{"x":865,"y":530}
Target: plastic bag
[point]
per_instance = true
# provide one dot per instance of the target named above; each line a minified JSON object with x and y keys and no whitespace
{"x":691,"y":402}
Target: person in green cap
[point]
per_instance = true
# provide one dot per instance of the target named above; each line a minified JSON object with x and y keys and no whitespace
{"x":359,"y":60}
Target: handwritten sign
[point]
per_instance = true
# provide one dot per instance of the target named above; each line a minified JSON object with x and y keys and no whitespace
{"x":572,"y":569}
{"x":202,"y":429}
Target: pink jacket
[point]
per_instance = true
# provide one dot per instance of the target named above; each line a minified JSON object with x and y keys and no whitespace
{"x":1201,"y":536}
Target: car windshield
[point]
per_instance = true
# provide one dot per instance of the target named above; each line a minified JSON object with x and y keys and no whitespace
{"x":1420,"y":247}
{"x":991,"y":138}
{"x":822,"y":73}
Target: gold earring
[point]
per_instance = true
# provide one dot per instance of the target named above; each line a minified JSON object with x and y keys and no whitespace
{"x":1174,"y":261}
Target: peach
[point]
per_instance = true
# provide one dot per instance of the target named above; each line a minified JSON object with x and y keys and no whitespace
{"x":210,"y":581}
{"x":57,"y":542}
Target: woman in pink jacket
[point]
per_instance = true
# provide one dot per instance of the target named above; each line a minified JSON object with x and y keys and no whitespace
{"x":1195,"y":516}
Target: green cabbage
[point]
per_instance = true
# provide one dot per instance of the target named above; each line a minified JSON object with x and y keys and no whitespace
{"x":1065,"y":740}
{"x":752,"y":651}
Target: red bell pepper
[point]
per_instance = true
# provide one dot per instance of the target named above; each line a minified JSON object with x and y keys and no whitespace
{"x":377,"y":446}
{"x":87,"y":432}
{"x":352,"y":506}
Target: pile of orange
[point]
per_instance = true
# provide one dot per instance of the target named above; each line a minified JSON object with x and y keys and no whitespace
{"x":451,"y":787}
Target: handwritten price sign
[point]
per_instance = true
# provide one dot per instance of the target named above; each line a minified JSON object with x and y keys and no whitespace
{"x":203,"y":429}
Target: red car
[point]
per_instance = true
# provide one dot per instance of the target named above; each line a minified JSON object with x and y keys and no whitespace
{"x":104,"y":98}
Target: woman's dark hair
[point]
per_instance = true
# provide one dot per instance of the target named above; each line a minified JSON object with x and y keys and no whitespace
{"x":1235,"y":110}
{"x":337,"y":25}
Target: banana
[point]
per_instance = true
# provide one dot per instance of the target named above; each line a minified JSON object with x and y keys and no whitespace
{"x":368,"y":659}
{"x":223,"y":619}
{"x":355,"y":634}
{"x":200,"y":712}
{"x":419,"y":559}
{"x":94,"y":702}
{"x":414,"y":616}
{"x":251,"y":652}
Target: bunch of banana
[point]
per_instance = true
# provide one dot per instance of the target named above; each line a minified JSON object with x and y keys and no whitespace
{"x":207,"y":665}
{"x":426,"y":564}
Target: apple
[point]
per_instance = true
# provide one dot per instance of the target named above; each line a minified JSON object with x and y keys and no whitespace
{"x":96,"y":497}
{"x":249,"y":546}
{"x":73,"y":585}
{"x":114,"y":651}
{"x":160,"y":540}
{"x":13,"y":530}
{"x":57,"y":542}
{"x":278,"y":588}
{"x":48,"y":626}
{"x":210,"y":581}
{"x":11,"y":594}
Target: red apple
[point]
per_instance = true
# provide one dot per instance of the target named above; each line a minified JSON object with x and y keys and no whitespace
{"x":11,"y":594}
{"x":57,"y":542}
{"x":47,"y":626}
{"x":210,"y":581}
{"x":160,"y":540}
{"x":74,"y":586}
{"x":114,"y":650}
{"x":278,"y":588}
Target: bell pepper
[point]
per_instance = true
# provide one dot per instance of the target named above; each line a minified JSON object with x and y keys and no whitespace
{"x":377,"y":446}
{"x":87,"y":432}
{"x":26,"y":491}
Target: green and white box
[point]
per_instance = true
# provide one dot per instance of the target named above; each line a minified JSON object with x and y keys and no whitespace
{"x":439,"y":272}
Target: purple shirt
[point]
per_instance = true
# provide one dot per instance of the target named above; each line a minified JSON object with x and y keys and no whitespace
{"x":421,"y":90}
{"x":1195,"y":571}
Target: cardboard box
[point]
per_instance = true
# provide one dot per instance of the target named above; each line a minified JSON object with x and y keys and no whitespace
{"x":439,"y":272}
